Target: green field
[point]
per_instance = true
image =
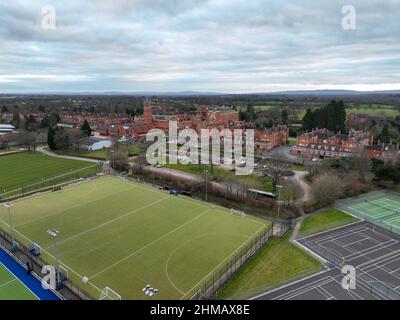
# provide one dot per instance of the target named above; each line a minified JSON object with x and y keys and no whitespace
{"x":25,"y":168}
{"x":11,"y":288}
{"x":375,"y":109}
{"x":101,"y":154}
{"x":325,"y":220}
{"x":124,"y":235}
{"x":371,"y":109}
{"x":277,"y":263}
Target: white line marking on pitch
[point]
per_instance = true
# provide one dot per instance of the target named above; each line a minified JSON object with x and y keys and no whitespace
{"x":149,"y":244}
{"x":73,"y":207}
{"x":110,"y":221}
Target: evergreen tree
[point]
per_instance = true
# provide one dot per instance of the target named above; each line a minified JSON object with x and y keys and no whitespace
{"x":86,"y":128}
{"x":30,"y":123}
{"x":285,"y":116}
{"x":308,"y":120}
{"x":51,"y":132}
{"x":16,"y":120}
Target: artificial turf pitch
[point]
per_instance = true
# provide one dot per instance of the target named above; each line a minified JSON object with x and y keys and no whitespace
{"x":124,"y":235}
{"x":11,"y":288}
{"x":19,"y":169}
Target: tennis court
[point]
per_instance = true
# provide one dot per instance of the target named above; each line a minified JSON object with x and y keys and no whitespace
{"x":382,"y":209}
{"x":373,"y":252}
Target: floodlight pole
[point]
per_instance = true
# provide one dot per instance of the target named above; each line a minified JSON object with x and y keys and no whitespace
{"x":279,"y":198}
{"x":206,"y":173}
{"x":10,"y":223}
{"x":113,"y":158}
{"x":54,"y":234}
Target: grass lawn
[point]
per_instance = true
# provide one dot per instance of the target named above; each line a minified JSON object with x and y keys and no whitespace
{"x":371,"y":109}
{"x":102,"y":154}
{"x":277,"y":263}
{"x":297,"y":167}
{"x":325,"y":220}
{"x":98,"y":154}
{"x":374,"y":110}
{"x":24,"y":168}
{"x":125,"y":235}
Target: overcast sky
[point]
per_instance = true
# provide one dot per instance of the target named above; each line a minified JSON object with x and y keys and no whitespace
{"x":198,"y":45}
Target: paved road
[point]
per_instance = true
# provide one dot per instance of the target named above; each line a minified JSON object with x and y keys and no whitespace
{"x":52,"y":154}
{"x":299,"y":176}
{"x":11,"y":152}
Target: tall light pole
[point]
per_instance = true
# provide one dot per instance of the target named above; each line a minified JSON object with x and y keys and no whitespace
{"x":113,"y":158}
{"x":54,"y":234}
{"x":279,"y":198}
{"x":206,"y":173}
{"x":10,"y":223}
{"x":154,"y":169}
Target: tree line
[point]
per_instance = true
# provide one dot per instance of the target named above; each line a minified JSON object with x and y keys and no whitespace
{"x":331,"y":117}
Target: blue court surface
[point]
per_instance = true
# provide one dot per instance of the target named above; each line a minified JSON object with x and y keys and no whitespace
{"x":16,"y":284}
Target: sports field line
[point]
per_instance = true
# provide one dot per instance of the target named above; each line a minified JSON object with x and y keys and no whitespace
{"x":8,"y":282}
{"x":222,"y":262}
{"x":185,"y":243}
{"x":149,"y":244}
{"x":371,"y":210}
{"x":48,"y":179}
{"x":80,"y":204}
{"x":110,"y":221}
{"x":362,"y":214}
{"x":50,"y":255}
{"x":202,"y":203}
{"x":19,"y":280}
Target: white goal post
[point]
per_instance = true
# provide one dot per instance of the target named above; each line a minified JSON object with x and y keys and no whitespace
{"x":238,"y":212}
{"x":109,"y":294}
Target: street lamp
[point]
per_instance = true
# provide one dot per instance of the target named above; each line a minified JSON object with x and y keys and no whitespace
{"x":113,"y":158}
{"x":279,"y":198}
{"x":54,"y":234}
{"x":150,"y":291}
{"x":10,"y":223}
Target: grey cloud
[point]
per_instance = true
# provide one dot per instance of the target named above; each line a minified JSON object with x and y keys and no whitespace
{"x":224,"y":45}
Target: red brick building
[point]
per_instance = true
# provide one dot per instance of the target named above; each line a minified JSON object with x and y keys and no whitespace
{"x":324,"y":144}
{"x":268,"y":139}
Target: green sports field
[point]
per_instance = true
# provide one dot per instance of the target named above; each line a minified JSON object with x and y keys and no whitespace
{"x":124,"y":235}
{"x":11,"y":288}
{"x":25,"y":168}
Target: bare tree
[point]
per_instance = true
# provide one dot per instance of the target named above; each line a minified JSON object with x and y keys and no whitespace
{"x":28,"y":140}
{"x":327,"y":188}
{"x":120,"y":161}
{"x":362,"y":163}
{"x":291,"y":191}
{"x":275,"y":170}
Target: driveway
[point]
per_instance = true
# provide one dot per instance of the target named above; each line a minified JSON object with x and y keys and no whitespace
{"x":56,"y":155}
{"x":299,"y":176}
